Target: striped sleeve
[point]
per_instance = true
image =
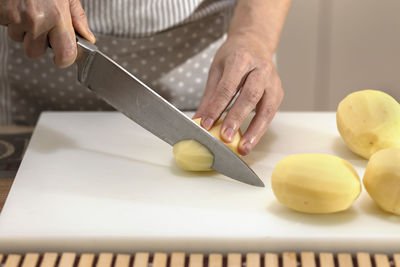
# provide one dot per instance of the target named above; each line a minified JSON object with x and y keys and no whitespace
{"x":139,"y":18}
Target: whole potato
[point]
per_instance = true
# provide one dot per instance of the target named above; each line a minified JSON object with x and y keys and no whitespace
{"x":368,"y":121}
{"x":382,"y":179}
{"x":315,"y":183}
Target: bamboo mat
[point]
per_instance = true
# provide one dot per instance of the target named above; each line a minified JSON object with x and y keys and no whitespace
{"x":177,"y":259}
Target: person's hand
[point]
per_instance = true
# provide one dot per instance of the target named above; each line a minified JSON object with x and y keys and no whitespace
{"x":242,"y":64}
{"x":38,"y":23}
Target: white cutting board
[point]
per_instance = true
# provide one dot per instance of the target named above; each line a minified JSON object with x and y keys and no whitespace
{"x":99,"y":182}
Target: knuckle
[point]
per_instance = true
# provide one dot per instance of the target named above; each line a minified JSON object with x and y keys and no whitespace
{"x":253,"y":95}
{"x":267,"y":111}
{"x":235,"y":118}
{"x":33,"y":18}
{"x":226,"y":90}
{"x":77,"y":11}
{"x":54,"y":14}
{"x":265,"y":66}
{"x":257,"y":77}
{"x":264,"y":118}
{"x":9,"y":12}
{"x":35,"y":21}
{"x":13,"y":16}
{"x":80,"y":16}
{"x":27,"y":14}
{"x":74,"y":3}
{"x":224,"y":94}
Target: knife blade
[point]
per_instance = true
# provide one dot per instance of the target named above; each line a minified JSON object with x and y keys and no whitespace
{"x":127,"y":94}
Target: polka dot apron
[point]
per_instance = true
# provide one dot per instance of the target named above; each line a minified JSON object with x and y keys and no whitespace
{"x":174,"y":63}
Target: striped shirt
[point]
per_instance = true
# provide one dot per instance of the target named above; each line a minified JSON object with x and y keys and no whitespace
{"x":138,"y":18}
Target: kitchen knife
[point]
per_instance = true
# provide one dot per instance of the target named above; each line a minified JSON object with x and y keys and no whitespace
{"x":137,"y":101}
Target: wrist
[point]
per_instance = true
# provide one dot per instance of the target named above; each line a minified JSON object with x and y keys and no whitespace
{"x":262,"y":44}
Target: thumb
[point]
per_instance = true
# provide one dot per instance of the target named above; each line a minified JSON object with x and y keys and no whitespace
{"x":79,"y":20}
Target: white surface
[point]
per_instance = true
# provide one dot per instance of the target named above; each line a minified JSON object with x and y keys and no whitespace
{"x":98,"y":182}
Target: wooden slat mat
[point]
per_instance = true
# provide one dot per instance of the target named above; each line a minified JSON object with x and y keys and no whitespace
{"x":178,"y":259}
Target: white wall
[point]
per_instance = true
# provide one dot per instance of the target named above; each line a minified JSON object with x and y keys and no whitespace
{"x":330,"y":48}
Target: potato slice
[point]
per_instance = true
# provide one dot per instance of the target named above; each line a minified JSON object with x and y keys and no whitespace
{"x":192,"y":156}
{"x":315,"y":183}
{"x":368,"y":121}
{"x":382,"y":179}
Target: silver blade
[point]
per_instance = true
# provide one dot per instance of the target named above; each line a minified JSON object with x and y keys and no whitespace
{"x":129,"y":95}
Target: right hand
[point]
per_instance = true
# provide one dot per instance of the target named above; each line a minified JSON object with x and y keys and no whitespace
{"x":38,"y":23}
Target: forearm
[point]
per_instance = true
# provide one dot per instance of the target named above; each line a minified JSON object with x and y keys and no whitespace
{"x":260,"y":20}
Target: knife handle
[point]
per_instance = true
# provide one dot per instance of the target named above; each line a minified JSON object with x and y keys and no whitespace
{"x":85,"y":55}
{"x":84,"y":59}
{"x":84,"y":44}
{"x":80,"y":41}
{"x":84,"y":47}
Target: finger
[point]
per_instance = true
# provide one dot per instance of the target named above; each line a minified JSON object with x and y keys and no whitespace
{"x":62,"y":40}
{"x":35,"y":47}
{"x":35,"y":18}
{"x":79,"y":20}
{"x":214,"y":76}
{"x":250,"y":95}
{"x":9,"y":13}
{"x":227,"y":87}
{"x":16,"y":32}
{"x":265,"y":112}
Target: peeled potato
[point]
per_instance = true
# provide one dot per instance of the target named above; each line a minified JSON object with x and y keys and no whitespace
{"x":382,"y":179}
{"x":368,"y":121}
{"x":192,"y":156}
{"x":315,"y":183}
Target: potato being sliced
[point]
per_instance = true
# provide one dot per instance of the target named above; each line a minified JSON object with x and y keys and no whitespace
{"x":192,"y":156}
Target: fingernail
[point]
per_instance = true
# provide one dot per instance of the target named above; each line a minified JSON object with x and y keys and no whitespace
{"x":229,"y":132}
{"x":207,"y":123}
{"x":246,"y":148}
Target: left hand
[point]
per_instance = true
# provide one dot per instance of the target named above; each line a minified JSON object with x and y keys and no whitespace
{"x":243,"y":63}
